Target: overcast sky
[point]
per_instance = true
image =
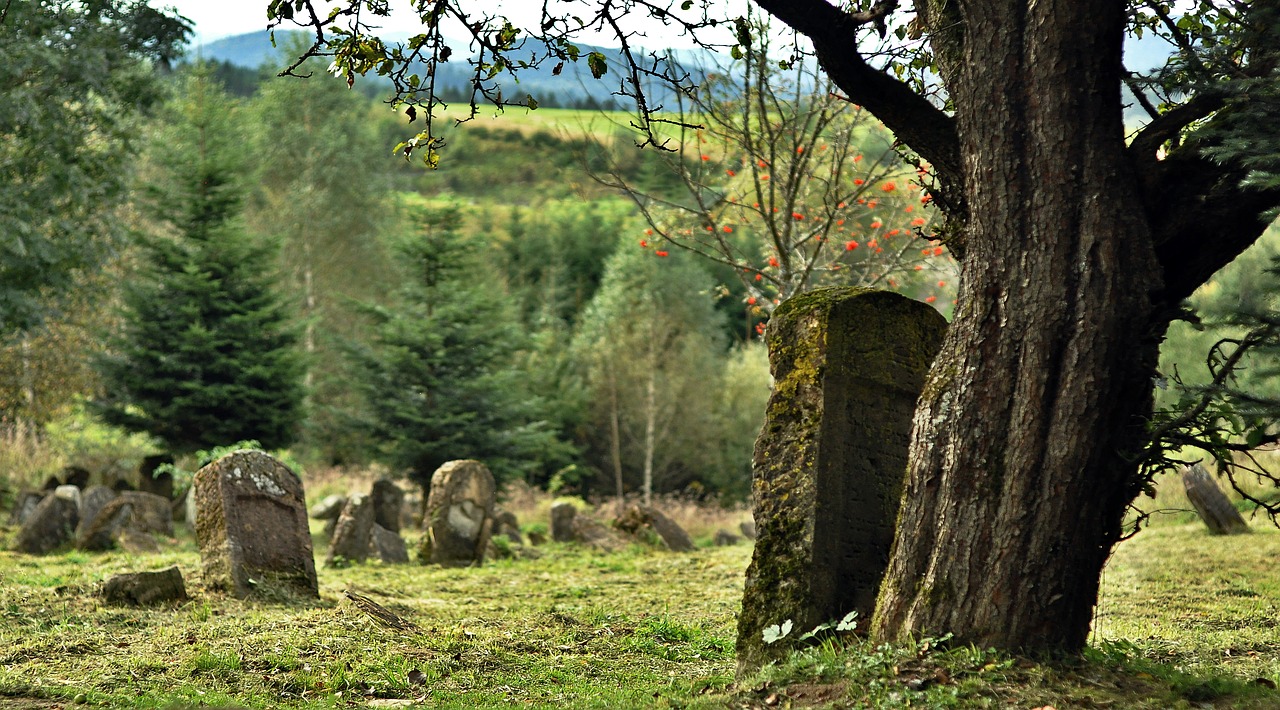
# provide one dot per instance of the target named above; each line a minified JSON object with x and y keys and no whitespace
{"x":215,"y":19}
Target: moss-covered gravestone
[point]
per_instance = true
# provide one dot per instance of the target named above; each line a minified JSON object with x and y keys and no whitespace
{"x":251,"y":524}
{"x":848,"y":366}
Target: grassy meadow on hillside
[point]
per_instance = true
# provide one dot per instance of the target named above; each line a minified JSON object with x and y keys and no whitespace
{"x":1186,"y":620}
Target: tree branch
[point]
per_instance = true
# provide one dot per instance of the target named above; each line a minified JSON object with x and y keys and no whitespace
{"x":916,"y":122}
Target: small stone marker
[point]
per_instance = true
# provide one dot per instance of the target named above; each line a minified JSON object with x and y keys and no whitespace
{"x":24,"y":505}
{"x":388,"y":500}
{"x":638,"y":517}
{"x":50,"y":525}
{"x":151,"y":513}
{"x":102,"y":532}
{"x":829,"y":466}
{"x":459,"y":515}
{"x":351,"y":536}
{"x":251,"y":524}
{"x":724,"y":538}
{"x":329,"y":508}
{"x":748,"y":528}
{"x":1213,"y":506}
{"x":506,"y":523}
{"x":388,"y":546}
{"x":92,"y":501}
{"x":145,"y":588}
{"x":562,"y":515}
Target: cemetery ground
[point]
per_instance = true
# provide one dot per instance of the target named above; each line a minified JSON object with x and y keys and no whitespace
{"x":1187,"y":620}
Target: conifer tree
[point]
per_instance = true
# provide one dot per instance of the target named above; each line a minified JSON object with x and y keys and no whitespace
{"x":205,"y":356}
{"x":440,"y":375}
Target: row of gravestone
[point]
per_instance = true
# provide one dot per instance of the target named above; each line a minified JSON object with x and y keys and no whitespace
{"x":97,"y":518}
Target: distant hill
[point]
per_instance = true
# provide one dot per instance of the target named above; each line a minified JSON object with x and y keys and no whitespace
{"x":574,"y":86}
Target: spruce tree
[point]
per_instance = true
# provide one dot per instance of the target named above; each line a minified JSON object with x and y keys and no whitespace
{"x":205,"y":356}
{"x":440,"y":376}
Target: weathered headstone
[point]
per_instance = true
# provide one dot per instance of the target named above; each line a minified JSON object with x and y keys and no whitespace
{"x":101,"y":532}
{"x":145,"y":588}
{"x":506,"y":523}
{"x":724,"y":538}
{"x":351,"y":536}
{"x":251,"y":525}
{"x":829,"y":466}
{"x":562,"y":515}
{"x":593,"y":533}
{"x":748,"y":528}
{"x":25,"y":504}
{"x":388,"y":500}
{"x":639,"y":517}
{"x":51,"y":524}
{"x":151,"y":513}
{"x":459,"y":515}
{"x":388,"y":546}
{"x":1213,"y":506}
{"x":153,"y":481}
{"x":92,"y":501}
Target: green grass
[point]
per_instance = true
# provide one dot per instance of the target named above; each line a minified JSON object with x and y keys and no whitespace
{"x":1186,"y":620}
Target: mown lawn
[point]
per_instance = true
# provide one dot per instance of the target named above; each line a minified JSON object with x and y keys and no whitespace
{"x":1186,"y":620}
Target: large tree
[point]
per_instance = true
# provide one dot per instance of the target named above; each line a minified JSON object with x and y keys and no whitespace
{"x":206,"y":356}
{"x":73,"y":78}
{"x":1076,"y":248}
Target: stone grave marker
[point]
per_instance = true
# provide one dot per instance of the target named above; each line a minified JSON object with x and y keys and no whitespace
{"x":351,"y":535}
{"x":388,"y":501}
{"x":51,"y":524}
{"x":251,"y":525}
{"x":459,"y":516}
{"x":562,"y":515}
{"x":145,"y":588}
{"x":92,"y":501}
{"x":388,"y":546}
{"x":829,"y":465}
{"x":24,"y":505}
{"x":640,"y":517}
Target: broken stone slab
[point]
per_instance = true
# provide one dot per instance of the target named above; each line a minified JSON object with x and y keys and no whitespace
{"x":459,"y":516}
{"x":251,"y":526}
{"x":351,"y":535}
{"x":829,"y":466}
{"x":637,"y":518}
{"x":388,"y":546}
{"x":388,"y":502}
{"x":145,"y":588}
{"x":50,"y":525}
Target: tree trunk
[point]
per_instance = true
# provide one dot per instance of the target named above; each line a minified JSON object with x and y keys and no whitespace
{"x":650,"y":429}
{"x":1018,"y":478}
{"x":615,"y":434}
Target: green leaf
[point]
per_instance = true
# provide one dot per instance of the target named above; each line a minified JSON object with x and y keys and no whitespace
{"x":598,"y":64}
{"x":777,"y":632}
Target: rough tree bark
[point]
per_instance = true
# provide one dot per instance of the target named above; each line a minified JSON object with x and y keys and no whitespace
{"x":1017,"y":481}
{"x":1022,"y":455}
